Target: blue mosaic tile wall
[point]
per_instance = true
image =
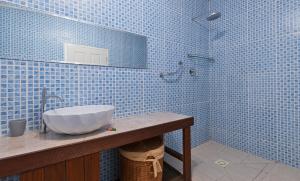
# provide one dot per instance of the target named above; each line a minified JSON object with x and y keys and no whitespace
{"x":171,"y":35}
{"x":254,"y":83}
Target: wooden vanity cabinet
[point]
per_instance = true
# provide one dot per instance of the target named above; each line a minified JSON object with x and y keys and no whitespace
{"x":54,"y":157}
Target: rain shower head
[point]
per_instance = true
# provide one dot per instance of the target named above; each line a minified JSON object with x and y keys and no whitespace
{"x":213,"y":16}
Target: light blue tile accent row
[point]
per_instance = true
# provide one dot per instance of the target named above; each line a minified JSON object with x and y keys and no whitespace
{"x":171,"y":35}
{"x":254,"y":83}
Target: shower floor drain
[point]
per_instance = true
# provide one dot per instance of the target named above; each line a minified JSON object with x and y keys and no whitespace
{"x":222,"y":163}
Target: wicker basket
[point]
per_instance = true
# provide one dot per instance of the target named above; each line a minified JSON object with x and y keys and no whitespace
{"x":133,"y":170}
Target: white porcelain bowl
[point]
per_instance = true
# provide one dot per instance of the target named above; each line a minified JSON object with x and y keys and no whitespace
{"x":78,"y":119}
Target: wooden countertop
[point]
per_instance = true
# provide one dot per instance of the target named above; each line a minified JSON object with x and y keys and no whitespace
{"x":33,"y":150}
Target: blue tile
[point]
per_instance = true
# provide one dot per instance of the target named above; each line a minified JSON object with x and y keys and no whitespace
{"x":131,"y":91}
{"x":254,"y":82}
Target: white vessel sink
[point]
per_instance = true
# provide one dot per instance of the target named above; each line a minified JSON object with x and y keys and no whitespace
{"x":78,"y":119}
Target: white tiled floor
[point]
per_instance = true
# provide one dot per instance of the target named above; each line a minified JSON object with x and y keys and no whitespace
{"x":242,"y":167}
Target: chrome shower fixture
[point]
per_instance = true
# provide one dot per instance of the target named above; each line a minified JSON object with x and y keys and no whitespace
{"x":175,"y":76}
{"x":163,"y":75}
{"x":193,"y":72}
{"x":200,"y":57}
{"x":211,"y":17}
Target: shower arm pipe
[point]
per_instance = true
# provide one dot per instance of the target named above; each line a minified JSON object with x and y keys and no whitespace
{"x":211,"y":17}
{"x":195,"y":19}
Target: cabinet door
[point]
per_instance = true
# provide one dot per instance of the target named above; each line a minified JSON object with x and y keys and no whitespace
{"x":86,"y":168}
{"x":35,"y":175}
{"x":75,"y":169}
{"x":92,"y":167}
{"x":56,"y":172}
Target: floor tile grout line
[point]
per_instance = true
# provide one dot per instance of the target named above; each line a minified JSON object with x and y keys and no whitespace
{"x":261,"y":171}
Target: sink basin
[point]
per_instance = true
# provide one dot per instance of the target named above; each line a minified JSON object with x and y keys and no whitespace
{"x":78,"y":119}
